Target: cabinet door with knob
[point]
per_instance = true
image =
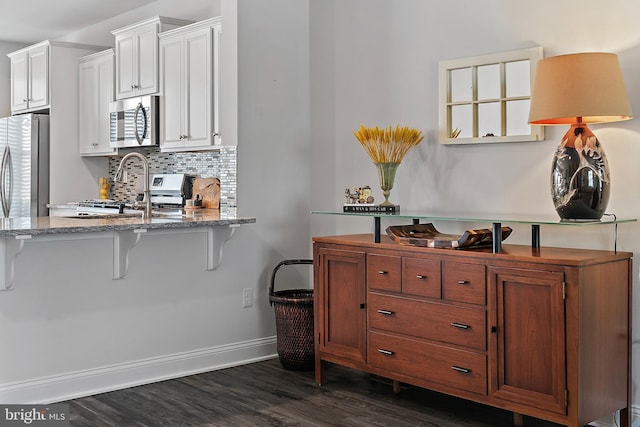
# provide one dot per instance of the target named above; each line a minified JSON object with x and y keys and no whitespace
{"x":529,"y":344}
{"x":95,"y":92}
{"x":340,"y":307}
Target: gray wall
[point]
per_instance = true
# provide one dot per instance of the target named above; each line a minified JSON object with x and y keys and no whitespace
{"x":376,"y":62}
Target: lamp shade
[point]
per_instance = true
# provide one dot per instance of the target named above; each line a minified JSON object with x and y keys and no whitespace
{"x":585,"y":85}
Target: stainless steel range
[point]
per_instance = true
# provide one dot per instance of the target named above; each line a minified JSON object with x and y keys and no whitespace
{"x":170,"y":189}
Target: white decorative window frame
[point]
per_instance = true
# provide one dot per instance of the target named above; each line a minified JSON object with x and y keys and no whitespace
{"x":446,"y":105}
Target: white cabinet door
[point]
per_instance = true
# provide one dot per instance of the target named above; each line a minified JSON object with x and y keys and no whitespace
{"x":38,"y":77}
{"x":125,"y":65}
{"x":95,"y":78}
{"x":171,"y":110}
{"x":87,"y":107}
{"x":197,"y":88}
{"x":147,"y":60}
{"x":19,"y":82}
{"x":105,"y":97}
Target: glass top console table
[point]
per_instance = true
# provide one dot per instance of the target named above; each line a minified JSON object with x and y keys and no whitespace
{"x":496,"y":221}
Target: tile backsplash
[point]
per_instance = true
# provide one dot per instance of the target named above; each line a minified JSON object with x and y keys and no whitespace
{"x":205,"y":164}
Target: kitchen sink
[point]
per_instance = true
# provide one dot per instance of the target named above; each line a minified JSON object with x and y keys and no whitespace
{"x":168,"y":215}
{"x":105,"y":216}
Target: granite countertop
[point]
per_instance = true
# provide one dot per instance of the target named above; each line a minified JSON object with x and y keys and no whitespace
{"x":172,"y":219}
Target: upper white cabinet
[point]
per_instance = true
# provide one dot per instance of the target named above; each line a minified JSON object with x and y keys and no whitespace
{"x":189,"y":83}
{"x":95,"y":92}
{"x":30,"y":78}
{"x":136,"y":48}
{"x":34,"y":67}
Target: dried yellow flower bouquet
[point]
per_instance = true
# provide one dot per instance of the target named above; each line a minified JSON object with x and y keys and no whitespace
{"x":387,"y":147}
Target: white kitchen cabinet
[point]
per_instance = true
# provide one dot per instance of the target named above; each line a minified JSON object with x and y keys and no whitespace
{"x":70,"y":177}
{"x":189,"y":83}
{"x":30,"y":78}
{"x":95,"y":92}
{"x":136,"y":49}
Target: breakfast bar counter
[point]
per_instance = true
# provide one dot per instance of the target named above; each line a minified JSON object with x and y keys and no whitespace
{"x":161,"y":219}
{"x":125,"y":230}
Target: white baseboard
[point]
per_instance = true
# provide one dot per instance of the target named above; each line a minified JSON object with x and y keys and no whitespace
{"x":114,"y":377}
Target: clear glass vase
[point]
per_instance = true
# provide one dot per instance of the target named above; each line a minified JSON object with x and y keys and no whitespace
{"x":387,"y":174}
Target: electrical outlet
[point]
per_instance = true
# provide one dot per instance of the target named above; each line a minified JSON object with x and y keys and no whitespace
{"x":247,"y":297}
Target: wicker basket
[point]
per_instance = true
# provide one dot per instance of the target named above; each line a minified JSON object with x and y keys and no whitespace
{"x":294,"y":322}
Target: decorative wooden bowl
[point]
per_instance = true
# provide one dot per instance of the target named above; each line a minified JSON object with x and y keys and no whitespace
{"x":426,"y":235}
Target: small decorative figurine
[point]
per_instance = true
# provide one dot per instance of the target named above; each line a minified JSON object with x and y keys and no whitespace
{"x":360,"y":195}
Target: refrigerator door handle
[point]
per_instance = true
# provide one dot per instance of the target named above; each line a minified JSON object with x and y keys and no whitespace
{"x":5,"y":193}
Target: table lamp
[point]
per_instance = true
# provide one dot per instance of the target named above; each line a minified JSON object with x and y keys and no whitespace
{"x":578,"y":89}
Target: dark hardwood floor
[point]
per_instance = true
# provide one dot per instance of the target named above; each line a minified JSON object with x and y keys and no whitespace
{"x":265,"y":394}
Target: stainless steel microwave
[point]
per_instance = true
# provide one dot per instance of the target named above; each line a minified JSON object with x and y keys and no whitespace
{"x":133,"y":122}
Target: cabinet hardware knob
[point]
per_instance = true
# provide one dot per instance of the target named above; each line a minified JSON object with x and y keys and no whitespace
{"x":386,"y":352}
{"x":216,"y":134}
{"x":382,"y":272}
{"x":460,"y":325}
{"x":494,"y":329}
{"x":362,"y":306}
{"x":386,"y":312}
{"x":459,"y":369}
{"x":463,"y":282}
{"x":420,"y":276}
{"x":24,"y":100}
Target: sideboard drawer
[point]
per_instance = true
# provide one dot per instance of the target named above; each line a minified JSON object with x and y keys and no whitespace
{"x":461,"y":369}
{"x":464,"y":282}
{"x":421,"y":277}
{"x":441,"y":322}
{"x":384,"y":272}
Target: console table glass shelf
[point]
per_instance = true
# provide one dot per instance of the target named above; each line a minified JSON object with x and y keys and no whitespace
{"x":534,"y":220}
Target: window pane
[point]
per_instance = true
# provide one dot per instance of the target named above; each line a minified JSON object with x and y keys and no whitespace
{"x":517,"y":117}
{"x":461,"y":85}
{"x":489,"y":82}
{"x":462,"y":118}
{"x":517,"y":78}
{"x":489,"y":120}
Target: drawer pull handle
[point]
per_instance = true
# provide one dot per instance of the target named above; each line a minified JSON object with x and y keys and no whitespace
{"x":460,"y":325}
{"x":386,"y":352}
{"x":382,"y":272}
{"x":461,"y":370}
{"x":420,"y":276}
{"x":386,"y":312}
{"x":463,"y":282}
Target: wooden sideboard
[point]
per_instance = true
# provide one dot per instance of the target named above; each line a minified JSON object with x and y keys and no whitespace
{"x":543,"y":332}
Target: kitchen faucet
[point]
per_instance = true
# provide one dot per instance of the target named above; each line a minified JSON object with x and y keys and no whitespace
{"x":145,"y":165}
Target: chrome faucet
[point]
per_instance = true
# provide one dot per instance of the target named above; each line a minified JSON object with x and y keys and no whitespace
{"x":145,"y":165}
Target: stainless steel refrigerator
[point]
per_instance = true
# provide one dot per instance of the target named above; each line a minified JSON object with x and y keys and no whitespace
{"x":24,"y":168}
